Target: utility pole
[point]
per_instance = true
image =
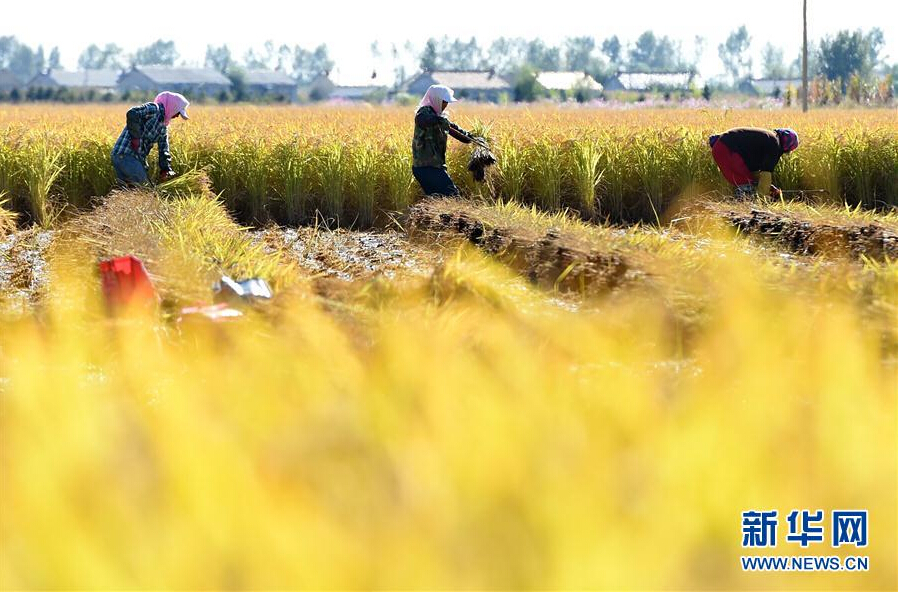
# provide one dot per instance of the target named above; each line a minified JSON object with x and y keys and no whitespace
{"x":804,"y":58}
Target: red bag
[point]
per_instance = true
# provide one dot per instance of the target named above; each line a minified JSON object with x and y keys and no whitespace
{"x":125,"y":282}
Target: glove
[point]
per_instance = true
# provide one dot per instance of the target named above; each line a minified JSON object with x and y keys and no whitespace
{"x":164,"y":175}
{"x":775,"y":192}
{"x":135,"y":144}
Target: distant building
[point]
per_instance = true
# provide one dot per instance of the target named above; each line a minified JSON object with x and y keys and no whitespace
{"x":102,"y":80}
{"x":568,"y":82}
{"x":653,"y":81}
{"x":358,"y":93}
{"x":8,"y":80}
{"x":261,"y":83}
{"x":478,"y":85}
{"x":770,"y":86}
{"x":337,"y":86}
{"x":188,"y":81}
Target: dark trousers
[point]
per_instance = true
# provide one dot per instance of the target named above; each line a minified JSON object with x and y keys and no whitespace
{"x":128,"y":169}
{"x":435,"y":181}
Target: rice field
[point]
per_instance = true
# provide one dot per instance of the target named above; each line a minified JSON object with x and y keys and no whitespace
{"x":496,"y":393}
{"x":352,"y":165}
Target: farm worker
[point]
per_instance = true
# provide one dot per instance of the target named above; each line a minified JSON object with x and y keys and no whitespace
{"x":429,"y":141}
{"x":145,"y":125}
{"x":747,"y":157}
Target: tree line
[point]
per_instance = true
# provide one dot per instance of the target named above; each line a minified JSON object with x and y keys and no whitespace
{"x":836,"y":57}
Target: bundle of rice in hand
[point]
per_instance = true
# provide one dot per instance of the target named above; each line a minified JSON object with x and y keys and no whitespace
{"x":193,"y":181}
{"x":481,"y":158}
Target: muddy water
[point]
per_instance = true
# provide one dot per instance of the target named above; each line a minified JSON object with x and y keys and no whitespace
{"x":352,"y":255}
{"x":24,"y":273}
{"x":330,"y":257}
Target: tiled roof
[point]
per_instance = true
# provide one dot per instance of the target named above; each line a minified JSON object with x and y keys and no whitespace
{"x":106,"y":78}
{"x":353,"y":92}
{"x":563,"y":81}
{"x":197,"y":76}
{"x":273,"y":77}
{"x":8,"y":78}
{"x":359,"y":78}
{"x":469,"y":79}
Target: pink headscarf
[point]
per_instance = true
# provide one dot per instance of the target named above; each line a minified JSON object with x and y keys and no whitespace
{"x":172,"y":103}
{"x":435,"y":96}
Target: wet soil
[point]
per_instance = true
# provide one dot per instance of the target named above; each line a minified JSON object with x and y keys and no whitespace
{"x":24,"y":273}
{"x":551,"y":261}
{"x":351,"y":255}
{"x":871,"y":240}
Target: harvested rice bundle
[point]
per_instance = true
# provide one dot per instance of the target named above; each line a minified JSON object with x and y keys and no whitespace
{"x":7,"y":217}
{"x":481,"y":158}
{"x":193,"y":181}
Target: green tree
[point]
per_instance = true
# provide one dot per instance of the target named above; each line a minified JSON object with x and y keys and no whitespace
{"x":399,"y":69}
{"x":848,"y":53}
{"x":698,"y":50}
{"x":773,"y":62}
{"x":307,"y":65}
{"x":526,"y":86}
{"x":452,"y":54}
{"x":611,"y":47}
{"x":53,"y":61}
{"x":651,"y":53}
{"x":93,"y":57}
{"x":463,"y":55}
{"x":8,"y":43}
{"x":507,"y":55}
{"x":24,"y":62}
{"x":542,"y":57}
{"x":254,"y":61}
{"x":158,"y":53}
{"x":218,"y":58}
{"x":284,"y":58}
{"x":874,"y":37}
{"x":21,"y":59}
{"x":795,"y":67}
{"x":265,"y":58}
{"x":39,"y":61}
{"x":428,"y":59}
{"x":734,"y":54}
{"x":579,"y":53}
{"x":238,"y":79}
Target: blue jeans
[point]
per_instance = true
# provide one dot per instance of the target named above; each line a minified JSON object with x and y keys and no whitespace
{"x":435,"y":181}
{"x":129,"y":169}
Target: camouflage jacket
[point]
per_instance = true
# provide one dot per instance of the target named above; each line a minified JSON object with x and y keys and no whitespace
{"x":429,"y":138}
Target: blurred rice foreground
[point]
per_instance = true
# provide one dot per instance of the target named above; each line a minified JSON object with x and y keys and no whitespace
{"x":459,"y":427}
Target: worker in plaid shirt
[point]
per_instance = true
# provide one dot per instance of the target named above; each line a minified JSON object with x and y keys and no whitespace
{"x":145,"y":125}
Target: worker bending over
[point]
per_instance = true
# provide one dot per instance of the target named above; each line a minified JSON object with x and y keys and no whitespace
{"x":747,"y":157}
{"x":145,"y":126}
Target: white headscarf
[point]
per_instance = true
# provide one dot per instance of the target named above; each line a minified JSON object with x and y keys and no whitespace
{"x":435,"y":96}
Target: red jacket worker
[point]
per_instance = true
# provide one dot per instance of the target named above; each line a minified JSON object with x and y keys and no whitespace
{"x":747,"y":157}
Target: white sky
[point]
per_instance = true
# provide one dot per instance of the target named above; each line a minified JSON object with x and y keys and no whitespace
{"x":348,"y":28}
